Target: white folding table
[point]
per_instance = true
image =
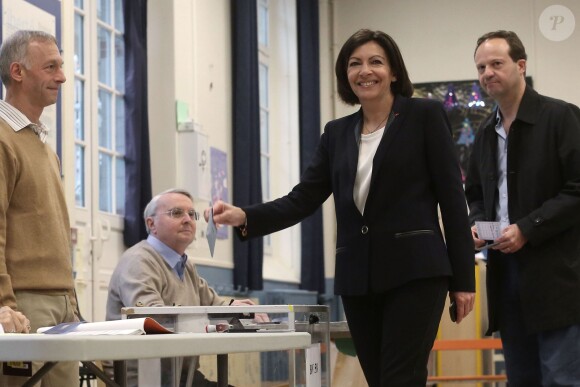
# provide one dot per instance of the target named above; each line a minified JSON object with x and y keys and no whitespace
{"x":54,"y":348}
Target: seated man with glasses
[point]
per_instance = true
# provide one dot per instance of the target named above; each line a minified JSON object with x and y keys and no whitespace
{"x":157,"y":272}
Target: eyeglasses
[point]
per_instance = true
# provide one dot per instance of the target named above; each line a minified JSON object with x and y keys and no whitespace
{"x":178,"y":213}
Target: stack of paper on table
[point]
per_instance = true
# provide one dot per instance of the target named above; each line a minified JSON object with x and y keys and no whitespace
{"x":134,"y":326}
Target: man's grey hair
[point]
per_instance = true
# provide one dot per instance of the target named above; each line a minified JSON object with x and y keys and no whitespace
{"x":15,"y":49}
{"x":151,"y":207}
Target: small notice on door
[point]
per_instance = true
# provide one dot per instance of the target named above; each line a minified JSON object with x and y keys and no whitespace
{"x":313,"y":366}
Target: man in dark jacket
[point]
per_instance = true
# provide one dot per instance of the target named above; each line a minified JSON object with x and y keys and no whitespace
{"x":525,"y":174}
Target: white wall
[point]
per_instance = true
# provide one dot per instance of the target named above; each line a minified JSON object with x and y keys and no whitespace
{"x":161,"y":93}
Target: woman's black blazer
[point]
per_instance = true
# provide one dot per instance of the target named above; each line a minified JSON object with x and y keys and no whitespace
{"x":398,"y":239}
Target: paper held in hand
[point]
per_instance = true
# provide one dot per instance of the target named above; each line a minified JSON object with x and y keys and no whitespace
{"x":211,"y":232}
{"x":134,"y":326}
{"x":488,"y":231}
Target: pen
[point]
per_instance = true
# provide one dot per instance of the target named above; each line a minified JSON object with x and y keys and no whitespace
{"x":231,"y":301}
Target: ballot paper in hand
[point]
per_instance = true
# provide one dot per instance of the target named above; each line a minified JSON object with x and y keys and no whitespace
{"x":488,"y":231}
{"x":211,"y":231}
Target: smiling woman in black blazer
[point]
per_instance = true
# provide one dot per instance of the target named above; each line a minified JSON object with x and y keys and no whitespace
{"x":389,"y":166}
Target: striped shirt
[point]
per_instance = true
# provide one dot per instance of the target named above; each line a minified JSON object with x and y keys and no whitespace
{"x":18,"y":121}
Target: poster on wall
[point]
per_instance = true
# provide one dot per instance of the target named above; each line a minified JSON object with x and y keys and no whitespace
{"x":219,"y":182}
{"x":467,"y":106}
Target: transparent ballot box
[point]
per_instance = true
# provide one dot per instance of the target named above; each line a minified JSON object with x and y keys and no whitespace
{"x":283,"y":362}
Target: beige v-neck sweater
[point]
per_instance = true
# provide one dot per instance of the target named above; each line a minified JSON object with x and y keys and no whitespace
{"x":143,"y":278}
{"x":34,"y":223}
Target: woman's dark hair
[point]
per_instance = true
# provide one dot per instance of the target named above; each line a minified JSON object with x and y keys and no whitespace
{"x":517,"y":50}
{"x":402,"y":85}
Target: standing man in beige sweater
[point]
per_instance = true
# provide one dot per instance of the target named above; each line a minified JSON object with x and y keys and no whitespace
{"x":35,"y":265}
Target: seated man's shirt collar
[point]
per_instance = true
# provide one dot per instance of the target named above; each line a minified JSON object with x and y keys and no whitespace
{"x":173,"y":259}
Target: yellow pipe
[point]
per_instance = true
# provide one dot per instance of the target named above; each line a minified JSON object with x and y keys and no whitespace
{"x":478,"y":356}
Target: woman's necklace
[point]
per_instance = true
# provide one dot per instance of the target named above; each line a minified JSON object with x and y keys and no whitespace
{"x":378,"y":126}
